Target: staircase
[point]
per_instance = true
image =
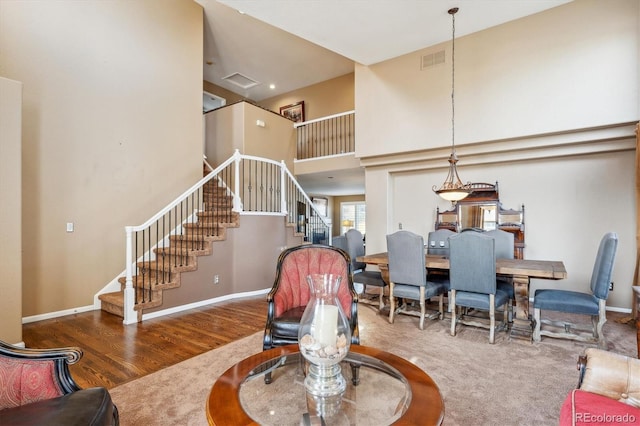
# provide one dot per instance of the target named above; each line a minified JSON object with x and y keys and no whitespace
{"x":169,"y":262}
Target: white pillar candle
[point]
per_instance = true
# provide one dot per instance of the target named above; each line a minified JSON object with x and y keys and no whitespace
{"x":325,"y":325}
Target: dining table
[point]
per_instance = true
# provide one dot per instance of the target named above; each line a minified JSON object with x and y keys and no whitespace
{"x":521,"y":270}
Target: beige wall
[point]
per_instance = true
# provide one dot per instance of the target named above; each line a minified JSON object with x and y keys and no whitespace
{"x":235,"y":127}
{"x":245,"y":262}
{"x":112,"y":131}
{"x":228,"y":95}
{"x":10,"y":211}
{"x":320,"y":100}
{"x":549,"y":72}
{"x":545,"y":105}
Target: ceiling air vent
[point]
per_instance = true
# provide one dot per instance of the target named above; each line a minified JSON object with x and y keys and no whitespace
{"x":432,"y":59}
{"x":240,"y":80}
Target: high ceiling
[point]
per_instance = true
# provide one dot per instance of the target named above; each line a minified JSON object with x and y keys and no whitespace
{"x":296,"y":43}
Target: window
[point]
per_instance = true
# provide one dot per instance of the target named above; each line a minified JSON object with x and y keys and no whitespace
{"x":353,"y":215}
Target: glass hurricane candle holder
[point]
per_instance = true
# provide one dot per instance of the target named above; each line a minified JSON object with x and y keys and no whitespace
{"x":324,"y":337}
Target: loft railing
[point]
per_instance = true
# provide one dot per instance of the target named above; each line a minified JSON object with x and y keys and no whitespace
{"x":332,"y":135}
{"x":166,"y":243}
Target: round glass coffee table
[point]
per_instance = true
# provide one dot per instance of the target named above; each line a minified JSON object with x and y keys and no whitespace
{"x":391,"y":390}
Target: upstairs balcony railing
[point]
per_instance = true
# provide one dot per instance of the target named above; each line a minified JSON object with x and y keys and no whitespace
{"x":332,"y":135}
{"x":164,"y":244}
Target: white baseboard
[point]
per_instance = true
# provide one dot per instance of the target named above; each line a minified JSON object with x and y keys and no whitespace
{"x":203,"y":303}
{"x":157,"y":314}
{"x":57,"y":314}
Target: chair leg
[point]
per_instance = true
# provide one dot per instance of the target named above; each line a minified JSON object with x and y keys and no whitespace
{"x":492,"y":318}
{"x":381,"y":303}
{"x":598,"y":328}
{"x":355,"y":374}
{"x":536,"y":326}
{"x":507,"y":314}
{"x":441,"y":306}
{"x":422,"y":308}
{"x":452,"y":307}
{"x":392,"y":303}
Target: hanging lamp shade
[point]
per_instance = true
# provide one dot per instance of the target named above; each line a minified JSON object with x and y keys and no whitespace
{"x":453,"y":189}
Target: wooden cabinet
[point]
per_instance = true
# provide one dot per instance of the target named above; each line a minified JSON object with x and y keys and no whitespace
{"x":482,"y":210}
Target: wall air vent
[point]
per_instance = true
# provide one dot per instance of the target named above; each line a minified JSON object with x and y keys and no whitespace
{"x":432,"y":59}
{"x":240,"y":80}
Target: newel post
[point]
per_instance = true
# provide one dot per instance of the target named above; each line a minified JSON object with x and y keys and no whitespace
{"x":283,"y":188}
{"x":237,"y":202}
{"x":129,"y":313}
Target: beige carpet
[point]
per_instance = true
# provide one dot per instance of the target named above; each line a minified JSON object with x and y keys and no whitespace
{"x":508,"y":383}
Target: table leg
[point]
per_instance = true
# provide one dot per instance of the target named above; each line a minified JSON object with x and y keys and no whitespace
{"x":384,"y":271}
{"x":522,"y":327}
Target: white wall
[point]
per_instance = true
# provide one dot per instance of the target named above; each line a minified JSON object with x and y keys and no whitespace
{"x":545,"y":105}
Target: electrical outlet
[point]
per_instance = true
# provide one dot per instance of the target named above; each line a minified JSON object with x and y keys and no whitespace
{"x":216,"y":279}
{"x":611,"y":286}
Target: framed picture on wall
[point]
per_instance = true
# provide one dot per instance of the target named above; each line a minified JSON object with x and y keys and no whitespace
{"x":321,"y":205}
{"x":294,"y":112}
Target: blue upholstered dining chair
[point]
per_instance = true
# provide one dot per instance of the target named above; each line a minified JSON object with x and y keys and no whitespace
{"x":361,"y":275}
{"x":504,"y":250}
{"x":472,"y":274}
{"x":408,"y":275}
{"x":438,"y":245}
{"x":593,"y":303}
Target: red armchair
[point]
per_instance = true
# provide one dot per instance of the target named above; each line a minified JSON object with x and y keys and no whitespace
{"x":290,"y":293}
{"x":36,"y":388}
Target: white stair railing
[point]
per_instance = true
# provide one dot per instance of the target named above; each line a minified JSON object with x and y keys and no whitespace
{"x":254,"y":185}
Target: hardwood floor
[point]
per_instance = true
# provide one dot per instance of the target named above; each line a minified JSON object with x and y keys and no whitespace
{"x":115,"y":353}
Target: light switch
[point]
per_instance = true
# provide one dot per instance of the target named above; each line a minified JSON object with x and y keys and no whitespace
{"x":69,"y":226}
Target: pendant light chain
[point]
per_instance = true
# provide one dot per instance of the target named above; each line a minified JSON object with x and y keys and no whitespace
{"x":453,"y":189}
{"x":453,"y":78}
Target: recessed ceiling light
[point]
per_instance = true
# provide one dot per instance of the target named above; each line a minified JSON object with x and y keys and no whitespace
{"x":272,"y":86}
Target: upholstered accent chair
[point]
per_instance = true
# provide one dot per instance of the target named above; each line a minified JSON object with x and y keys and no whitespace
{"x":355,"y":248}
{"x":609,"y":384}
{"x":37,"y":389}
{"x":408,"y":276}
{"x":593,"y":303}
{"x":472,"y":274}
{"x":290,"y":292}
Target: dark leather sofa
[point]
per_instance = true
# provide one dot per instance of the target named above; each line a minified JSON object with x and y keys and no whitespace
{"x":36,"y":388}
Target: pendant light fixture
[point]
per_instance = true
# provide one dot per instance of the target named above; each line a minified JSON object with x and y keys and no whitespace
{"x":453,"y":189}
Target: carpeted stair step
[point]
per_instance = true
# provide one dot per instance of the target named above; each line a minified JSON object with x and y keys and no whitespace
{"x":162,"y":269}
{"x":114,"y":302}
{"x":187,"y":250}
{"x":224,"y":218}
{"x":198,"y":246}
{"x":143,"y":281}
{"x":190,"y":237}
{"x":207,"y":226}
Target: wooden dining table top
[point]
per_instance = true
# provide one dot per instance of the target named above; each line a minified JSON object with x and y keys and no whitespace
{"x":546,"y":269}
